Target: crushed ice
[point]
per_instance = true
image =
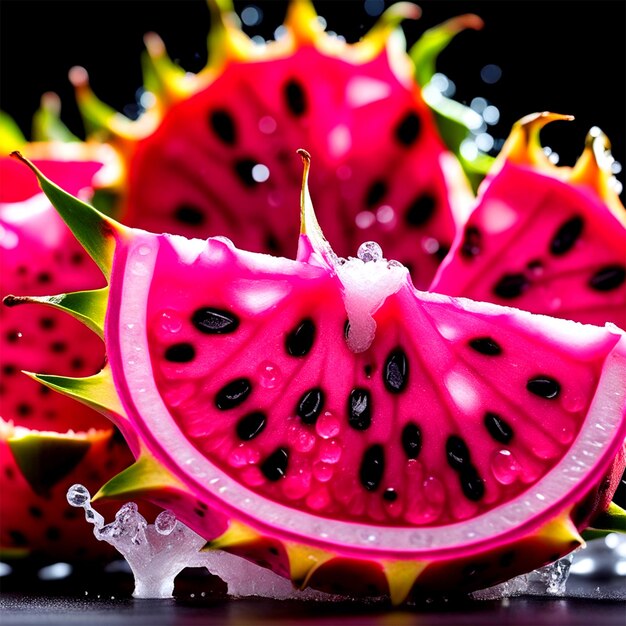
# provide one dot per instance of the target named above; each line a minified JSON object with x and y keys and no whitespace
{"x":156,"y":553}
{"x":367,"y":280}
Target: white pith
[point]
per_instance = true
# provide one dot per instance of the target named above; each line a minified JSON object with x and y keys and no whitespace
{"x":589,"y":456}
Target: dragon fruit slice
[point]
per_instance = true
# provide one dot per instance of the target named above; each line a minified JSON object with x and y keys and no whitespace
{"x":47,"y":441}
{"x":323,"y":418}
{"x":212,"y":154}
{"x":544,"y":238}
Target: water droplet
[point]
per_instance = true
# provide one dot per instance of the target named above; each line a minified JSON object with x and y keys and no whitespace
{"x":330,"y":451}
{"x":318,"y":500}
{"x":505,"y":467}
{"x":78,"y":495}
{"x":244,"y":454}
{"x":364,"y":219}
{"x":165,"y":522}
{"x":269,"y":375}
{"x":297,"y":485}
{"x":267,"y":125}
{"x":323,"y":472}
{"x":327,"y":425}
{"x":143,"y":250}
{"x":369,"y":251}
{"x":139,"y":269}
{"x":393,"y":263}
{"x":170,"y":322}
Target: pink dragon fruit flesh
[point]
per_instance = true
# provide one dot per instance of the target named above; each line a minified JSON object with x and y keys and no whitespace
{"x":213,"y":154}
{"x":323,"y":418}
{"x":48,"y":441}
{"x":543,"y":238}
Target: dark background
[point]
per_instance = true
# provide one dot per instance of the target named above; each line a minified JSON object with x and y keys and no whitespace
{"x":566,"y":57}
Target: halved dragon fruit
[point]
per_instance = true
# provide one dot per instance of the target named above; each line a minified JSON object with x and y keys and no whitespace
{"x":543,"y":238}
{"x":47,"y":441}
{"x":325,"y":419}
{"x":212,"y":153}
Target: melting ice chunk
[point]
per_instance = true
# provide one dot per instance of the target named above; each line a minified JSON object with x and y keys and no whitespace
{"x":157,"y":553}
{"x":367,"y":282}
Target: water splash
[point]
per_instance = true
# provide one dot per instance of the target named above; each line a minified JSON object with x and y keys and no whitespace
{"x":156,"y":553}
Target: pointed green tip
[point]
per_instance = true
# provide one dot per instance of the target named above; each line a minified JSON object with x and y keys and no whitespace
{"x":94,"y":230}
{"x":88,"y":307}
{"x":145,"y":475}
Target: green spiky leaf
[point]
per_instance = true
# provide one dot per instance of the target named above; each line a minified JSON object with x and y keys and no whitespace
{"x":143,"y":476}
{"x":454,"y":120}
{"x":97,"y":391}
{"x":89,"y":307}
{"x":94,"y":230}
{"x":613,"y":520}
{"x":45,"y":459}
{"x":47,"y":123}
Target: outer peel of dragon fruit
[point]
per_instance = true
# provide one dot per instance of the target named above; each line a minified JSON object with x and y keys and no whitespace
{"x":212,"y":155}
{"x":543,"y":238}
{"x":48,"y":441}
{"x":463,"y":444}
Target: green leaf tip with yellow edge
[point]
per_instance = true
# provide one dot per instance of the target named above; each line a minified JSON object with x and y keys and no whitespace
{"x":95,"y":231}
{"x":613,"y":520}
{"x":145,"y":475}
{"x":88,"y":307}
{"x":44,"y":460}
{"x":97,"y":391}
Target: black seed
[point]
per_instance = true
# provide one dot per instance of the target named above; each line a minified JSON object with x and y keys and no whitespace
{"x":391,"y":495}
{"x":498,"y":428}
{"x":53,"y":533}
{"x":367,"y":370}
{"x":486,"y":345}
{"x":457,"y":452}
{"x":199,"y":512}
{"x":23,"y":409}
{"x":18,"y":538}
{"x":271,"y":243}
{"x":212,"y":321}
{"x":346,"y":329}
{"x":9,"y":473}
{"x":544,"y":387}
{"x":275,"y":465}
{"x":372,"y":467}
{"x":77,"y":258}
{"x":442,"y":251}
{"x":534,"y":265}
{"x":408,"y":129}
{"x":233,"y":394}
{"x":375,"y":193}
{"x":47,"y":323}
{"x":360,"y":409}
{"x":44,"y":277}
{"x":472,"y":484}
{"x":294,"y":97}
{"x":58,"y":346}
{"x":411,"y":440}
{"x":396,"y":371}
{"x":10,"y":370}
{"x":472,"y":242}
{"x":35,"y":511}
{"x":180,"y":353}
{"x":44,"y":391}
{"x":273,"y":550}
{"x":251,"y":425}
{"x":310,"y":405}
{"x":608,"y":278}
{"x":189,"y":214}
{"x":77,"y":363}
{"x":243,"y":169}
{"x":511,"y":286}
{"x":566,"y":236}
{"x":300,"y":340}
{"x":223,"y":126}
{"x":13,"y":335}
{"x":420,"y":211}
